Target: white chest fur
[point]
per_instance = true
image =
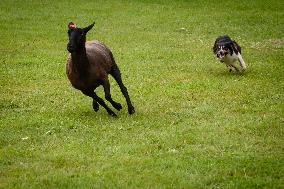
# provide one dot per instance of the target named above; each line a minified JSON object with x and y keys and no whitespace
{"x":231,"y":59}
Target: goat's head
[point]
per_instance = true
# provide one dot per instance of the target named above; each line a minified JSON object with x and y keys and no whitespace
{"x":77,"y":37}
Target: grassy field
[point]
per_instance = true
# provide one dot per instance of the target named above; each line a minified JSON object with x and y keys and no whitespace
{"x":196,"y":125}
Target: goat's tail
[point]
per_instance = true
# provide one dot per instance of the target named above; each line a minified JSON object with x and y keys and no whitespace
{"x":114,"y":65}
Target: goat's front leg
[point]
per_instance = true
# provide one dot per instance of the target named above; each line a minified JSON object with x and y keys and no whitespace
{"x":106,"y":86}
{"x":95,"y":106}
{"x":242,"y":62}
{"x":97,"y":100}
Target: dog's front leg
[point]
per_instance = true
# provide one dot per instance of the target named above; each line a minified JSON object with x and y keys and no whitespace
{"x":242,"y":62}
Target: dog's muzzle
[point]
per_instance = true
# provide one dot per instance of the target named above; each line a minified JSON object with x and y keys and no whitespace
{"x":221,"y":54}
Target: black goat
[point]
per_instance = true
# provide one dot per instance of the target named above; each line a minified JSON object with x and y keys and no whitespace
{"x":88,"y":67}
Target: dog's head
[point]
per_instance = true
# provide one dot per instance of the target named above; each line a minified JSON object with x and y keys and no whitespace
{"x":222,"y":51}
{"x":223,"y":46}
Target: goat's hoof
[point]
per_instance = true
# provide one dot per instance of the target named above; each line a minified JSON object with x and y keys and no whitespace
{"x":131,"y":110}
{"x":117,"y":106}
{"x":112,"y":113}
{"x":96,"y":107}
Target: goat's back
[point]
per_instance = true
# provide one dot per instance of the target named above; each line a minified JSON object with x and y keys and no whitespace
{"x":99,"y":55}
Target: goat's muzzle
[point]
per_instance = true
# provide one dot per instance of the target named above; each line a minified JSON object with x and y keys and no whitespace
{"x":70,"y":48}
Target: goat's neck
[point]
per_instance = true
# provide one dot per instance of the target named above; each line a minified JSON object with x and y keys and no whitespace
{"x":80,"y":61}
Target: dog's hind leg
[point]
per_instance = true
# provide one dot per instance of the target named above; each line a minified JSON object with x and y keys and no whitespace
{"x":242,"y":62}
{"x":230,"y":68}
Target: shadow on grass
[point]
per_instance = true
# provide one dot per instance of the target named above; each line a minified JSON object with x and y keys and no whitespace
{"x":99,"y":115}
{"x":223,"y":73}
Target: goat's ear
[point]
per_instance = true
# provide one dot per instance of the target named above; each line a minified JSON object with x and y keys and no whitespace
{"x":86,"y":29}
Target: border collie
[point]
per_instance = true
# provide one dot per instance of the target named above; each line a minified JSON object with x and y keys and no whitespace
{"x":229,"y":52}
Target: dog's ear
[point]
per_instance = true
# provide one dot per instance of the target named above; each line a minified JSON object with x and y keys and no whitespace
{"x":214,"y":48}
{"x":237,"y":48}
{"x":232,"y":49}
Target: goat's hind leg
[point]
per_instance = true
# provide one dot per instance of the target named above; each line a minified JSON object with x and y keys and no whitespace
{"x":117,"y":76}
{"x":108,"y":97}
{"x":96,"y":106}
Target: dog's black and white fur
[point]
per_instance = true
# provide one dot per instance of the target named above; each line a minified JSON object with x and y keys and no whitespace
{"x":229,"y":52}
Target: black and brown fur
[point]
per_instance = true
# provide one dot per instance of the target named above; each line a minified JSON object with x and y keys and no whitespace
{"x":88,"y":67}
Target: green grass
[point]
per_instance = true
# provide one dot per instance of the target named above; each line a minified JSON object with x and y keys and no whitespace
{"x":196,"y":125}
